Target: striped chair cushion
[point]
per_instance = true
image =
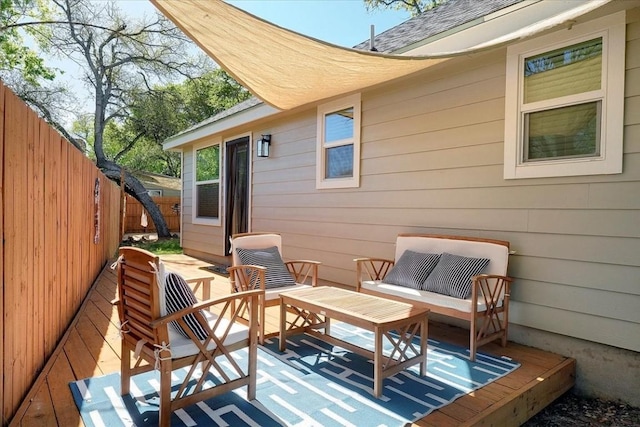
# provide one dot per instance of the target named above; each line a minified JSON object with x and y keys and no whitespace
{"x":277,"y":274}
{"x":412,"y":269}
{"x":452,"y":275}
{"x":178,"y":296}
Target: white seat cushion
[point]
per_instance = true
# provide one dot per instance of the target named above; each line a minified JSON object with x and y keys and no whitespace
{"x":274,"y":293}
{"x":440,"y":300}
{"x":181,"y":346}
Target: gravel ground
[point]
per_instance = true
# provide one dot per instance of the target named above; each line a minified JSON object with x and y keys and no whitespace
{"x":572,"y":410}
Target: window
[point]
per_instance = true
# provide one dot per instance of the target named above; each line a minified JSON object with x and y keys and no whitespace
{"x":338,"y":148}
{"x":206,"y":194}
{"x":564,"y":102}
{"x":154,"y":193}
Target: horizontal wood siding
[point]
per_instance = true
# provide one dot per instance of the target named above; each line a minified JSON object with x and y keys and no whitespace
{"x":432,"y":162}
{"x":50,"y":254}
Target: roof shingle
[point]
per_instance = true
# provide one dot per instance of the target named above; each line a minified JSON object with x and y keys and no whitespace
{"x":448,"y":15}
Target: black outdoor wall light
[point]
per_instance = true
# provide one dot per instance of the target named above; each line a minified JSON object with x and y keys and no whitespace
{"x":263,"y":145}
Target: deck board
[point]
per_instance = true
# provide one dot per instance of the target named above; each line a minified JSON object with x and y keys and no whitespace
{"x":91,"y":347}
{"x":41,"y":412}
{"x":58,"y":382}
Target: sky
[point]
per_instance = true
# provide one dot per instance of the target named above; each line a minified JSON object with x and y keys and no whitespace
{"x":342,"y":22}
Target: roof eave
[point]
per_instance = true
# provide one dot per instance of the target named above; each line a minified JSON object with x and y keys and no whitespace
{"x":244,"y":117}
{"x":493,"y":26}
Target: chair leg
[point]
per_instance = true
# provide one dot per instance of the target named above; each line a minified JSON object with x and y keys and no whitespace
{"x":473,"y":334}
{"x":261,"y":317}
{"x":505,"y":330}
{"x":125,"y":368}
{"x":165,"y":394}
{"x":252,"y":371}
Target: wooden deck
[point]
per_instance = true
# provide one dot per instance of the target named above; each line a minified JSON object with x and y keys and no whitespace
{"x":91,"y":347}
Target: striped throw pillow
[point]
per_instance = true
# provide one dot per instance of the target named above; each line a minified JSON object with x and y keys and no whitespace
{"x":412,"y":269}
{"x":178,"y":296}
{"x":277,"y":275}
{"x":452,"y":275}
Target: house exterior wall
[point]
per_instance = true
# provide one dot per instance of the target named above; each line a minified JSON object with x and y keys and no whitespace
{"x":166,"y":192}
{"x":432,"y":162}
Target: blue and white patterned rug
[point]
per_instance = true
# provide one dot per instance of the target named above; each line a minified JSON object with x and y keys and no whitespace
{"x":311,"y":384}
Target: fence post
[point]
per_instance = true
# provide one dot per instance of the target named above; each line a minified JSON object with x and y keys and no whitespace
{"x":123,"y":205}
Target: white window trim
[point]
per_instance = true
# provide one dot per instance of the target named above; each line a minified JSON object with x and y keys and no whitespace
{"x":337,"y":105}
{"x":194,"y":195}
{"x":612,"y":29}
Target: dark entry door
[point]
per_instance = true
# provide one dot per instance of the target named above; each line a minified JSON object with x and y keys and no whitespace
{"x":237,"y":192}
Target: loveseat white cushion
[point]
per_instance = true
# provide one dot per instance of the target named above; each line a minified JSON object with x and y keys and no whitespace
{"x":428,"y":297}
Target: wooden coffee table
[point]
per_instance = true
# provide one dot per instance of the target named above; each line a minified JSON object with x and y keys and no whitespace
{"x":312,"y":309}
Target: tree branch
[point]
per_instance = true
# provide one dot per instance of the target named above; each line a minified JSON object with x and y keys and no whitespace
{"x":128,"y":148}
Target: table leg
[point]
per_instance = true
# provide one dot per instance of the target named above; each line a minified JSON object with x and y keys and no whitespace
{"x":283,"y":325}
{"x":377,"y":363}
{"x":424,"y":337}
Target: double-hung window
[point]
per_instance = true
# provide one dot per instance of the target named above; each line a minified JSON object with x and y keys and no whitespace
{"x":564,"y":102}
{"x":206,"y":193}
{"x":338,"y":147}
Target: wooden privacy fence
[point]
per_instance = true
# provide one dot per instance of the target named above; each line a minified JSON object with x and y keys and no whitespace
{"x":169,"y":206}
{"x":59,"y":216}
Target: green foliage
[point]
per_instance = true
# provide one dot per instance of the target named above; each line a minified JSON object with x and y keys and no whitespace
{"x":414,"y":7}
{"x":164,"y":111}
{"x":162,"y":246}
{"x":207,"y":162}
{"x":14,"y":54}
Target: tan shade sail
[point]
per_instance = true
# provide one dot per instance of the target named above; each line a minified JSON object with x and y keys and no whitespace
{"x":287,"y":69}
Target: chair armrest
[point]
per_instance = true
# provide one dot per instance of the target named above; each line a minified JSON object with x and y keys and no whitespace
{"x":201,"y":283}
{"x":197,"y":279}
{"x":371,"y":269}
{"x":491,"y":288}
{"x":304,"y":270}
{"x":246,"y":277}
{"x":245,"y":297}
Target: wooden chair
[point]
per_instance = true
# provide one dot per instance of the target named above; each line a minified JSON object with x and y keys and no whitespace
{"x":152,"y":339}
{"x":245,"y":277}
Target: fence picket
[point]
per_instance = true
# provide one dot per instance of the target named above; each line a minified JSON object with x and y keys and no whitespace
{"x":169,"y":206}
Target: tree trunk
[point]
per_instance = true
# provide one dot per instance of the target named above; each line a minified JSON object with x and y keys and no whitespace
{"x":136,"y":190}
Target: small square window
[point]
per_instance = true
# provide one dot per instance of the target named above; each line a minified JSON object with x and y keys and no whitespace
{"x":338,"y":149}
{"x":339,"y":162}
{"x":563,"y":133}
{"x":338,"y":125}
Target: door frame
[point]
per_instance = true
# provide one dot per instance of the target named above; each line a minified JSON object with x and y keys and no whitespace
{"x":225,"y":143}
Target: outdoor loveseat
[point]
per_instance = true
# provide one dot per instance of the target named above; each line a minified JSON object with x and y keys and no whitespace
{"x":461,"y":277}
